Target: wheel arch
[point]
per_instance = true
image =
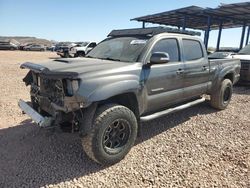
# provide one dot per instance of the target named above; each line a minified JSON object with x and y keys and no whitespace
{"x":128,"y":100}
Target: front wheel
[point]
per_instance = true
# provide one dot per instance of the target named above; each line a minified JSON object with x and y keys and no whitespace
{"x":222,"y":97}
{"x":114,"y":133}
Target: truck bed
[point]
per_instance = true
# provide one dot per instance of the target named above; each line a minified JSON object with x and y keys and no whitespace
{"x":218,"y":65}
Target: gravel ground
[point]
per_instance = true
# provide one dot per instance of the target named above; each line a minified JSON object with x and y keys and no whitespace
{"x":197,"y":147}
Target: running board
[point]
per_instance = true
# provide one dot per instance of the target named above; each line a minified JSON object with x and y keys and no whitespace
{"x":171,"y":110}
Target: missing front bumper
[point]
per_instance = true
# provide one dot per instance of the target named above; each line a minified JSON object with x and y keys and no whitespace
{"x":34,"y":115}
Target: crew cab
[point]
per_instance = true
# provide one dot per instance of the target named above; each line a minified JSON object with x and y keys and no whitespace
{"x":133,"y":76}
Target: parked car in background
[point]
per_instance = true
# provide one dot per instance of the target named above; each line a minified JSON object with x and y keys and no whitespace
{"x":61,"y":44}
{"x":229,"y":49}
{"x":224,"y":53}
{"x":51,"y":48}
{"x":244,"y":56}
{"x":221,"y":55}
{"x":81,"y":49}
{"x":8,"y":46}
{"x":63,"y":49}
{"x":34,"y":47}
{"x":133,"y":76}
{"x":22,"y":46}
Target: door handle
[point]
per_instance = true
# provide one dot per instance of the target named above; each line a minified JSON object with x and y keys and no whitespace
{"x":180,"y":71}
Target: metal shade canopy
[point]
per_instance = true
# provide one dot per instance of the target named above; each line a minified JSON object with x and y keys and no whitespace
{"x":194,"y":17}
{"x":190,"y":16}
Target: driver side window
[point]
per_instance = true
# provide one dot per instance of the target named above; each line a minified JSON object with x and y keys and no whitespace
{"x":169,"y":46}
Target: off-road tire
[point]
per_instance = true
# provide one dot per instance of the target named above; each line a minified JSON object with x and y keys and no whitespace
{"x":222,"y":96}
{"x":104,"y":117}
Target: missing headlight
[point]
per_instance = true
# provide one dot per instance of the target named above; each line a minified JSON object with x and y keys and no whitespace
{"x":72,"y":86}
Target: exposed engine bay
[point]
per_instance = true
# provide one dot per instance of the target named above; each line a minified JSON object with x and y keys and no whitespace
{"x":54,"y":97}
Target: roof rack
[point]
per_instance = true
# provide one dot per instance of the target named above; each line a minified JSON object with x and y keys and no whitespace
{"x":150,"y":32}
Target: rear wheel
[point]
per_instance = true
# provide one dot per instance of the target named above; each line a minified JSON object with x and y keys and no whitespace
{"x":114,"y":133}
{"x":222,"y":97}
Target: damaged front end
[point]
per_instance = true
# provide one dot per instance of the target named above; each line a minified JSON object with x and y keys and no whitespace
{"x":53,"y":96}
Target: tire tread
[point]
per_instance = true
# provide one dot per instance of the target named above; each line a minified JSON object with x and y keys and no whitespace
{"x":102,"y":112}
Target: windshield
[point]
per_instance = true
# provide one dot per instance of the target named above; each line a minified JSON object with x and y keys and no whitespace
{"x":245,"y":51}
{"x":127,"y":49}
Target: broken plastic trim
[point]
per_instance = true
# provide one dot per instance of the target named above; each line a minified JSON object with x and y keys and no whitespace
{"x":34,"y":115}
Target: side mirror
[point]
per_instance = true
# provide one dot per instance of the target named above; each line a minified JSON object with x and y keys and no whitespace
{"x":159,"y":58}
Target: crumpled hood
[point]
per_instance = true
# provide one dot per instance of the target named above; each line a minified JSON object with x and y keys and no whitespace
{"x":81,"y":65}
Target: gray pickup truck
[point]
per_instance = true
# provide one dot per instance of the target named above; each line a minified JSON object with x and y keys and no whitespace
{"x":133,"y":76}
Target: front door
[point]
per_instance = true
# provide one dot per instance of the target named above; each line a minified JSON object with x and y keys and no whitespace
{"x":164,"y":82}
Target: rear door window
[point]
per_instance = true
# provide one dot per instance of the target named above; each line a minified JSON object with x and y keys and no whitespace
{"x":192,"y":50}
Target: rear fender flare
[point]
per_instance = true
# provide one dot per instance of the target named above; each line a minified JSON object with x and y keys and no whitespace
{"x":221,"y":77}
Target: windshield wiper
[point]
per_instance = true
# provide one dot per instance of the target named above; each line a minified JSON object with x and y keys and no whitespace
{"x":104,"y":58}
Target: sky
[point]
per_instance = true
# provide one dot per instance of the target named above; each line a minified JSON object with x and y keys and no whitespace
{"x":92,"y":20}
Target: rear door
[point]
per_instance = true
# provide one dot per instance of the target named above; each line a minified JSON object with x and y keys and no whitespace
{"x":164,"y":82}
{"x":196,"y":68}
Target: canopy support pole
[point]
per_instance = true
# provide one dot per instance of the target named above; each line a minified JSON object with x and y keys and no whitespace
{"x":184,"y":23}
{"x":143,"y":25}
{"x":248,"y":33}
{"x":206,"y":39}
{"x":219,"y":36}
{"x":243,"y":35}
